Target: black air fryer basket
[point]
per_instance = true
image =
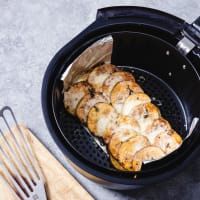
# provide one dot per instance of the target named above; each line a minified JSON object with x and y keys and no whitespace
{"x":163,"y":53}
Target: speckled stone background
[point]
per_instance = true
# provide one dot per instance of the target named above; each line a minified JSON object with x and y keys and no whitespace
{"x":31,"y":32}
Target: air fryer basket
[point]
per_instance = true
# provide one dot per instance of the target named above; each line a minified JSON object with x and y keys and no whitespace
{"x":170,"y":78}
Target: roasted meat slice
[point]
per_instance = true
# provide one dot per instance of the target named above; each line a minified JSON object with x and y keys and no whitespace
{"x":113,"y":79}
{"x":117,"y":140}
{"x":86,"y":103}
{"x":145,"y":114}
{"x":99,"y":116}
{"x":129,"y":148}
{"x":124,"y":124}
{"x":116,"y":164}
{"x":121,"y":91}
{"x":133,"y":101}
{"x":149,"y":153}
{"x":158,"y":126}
{"x":74,"y":94}
{"x":168,"y":142}
{"x":99,"y":74}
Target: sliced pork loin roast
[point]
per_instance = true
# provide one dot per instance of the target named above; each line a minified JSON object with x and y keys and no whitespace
{"x":115,"y":108}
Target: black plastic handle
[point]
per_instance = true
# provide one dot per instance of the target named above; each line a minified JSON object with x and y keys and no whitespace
{"x":141,"y":15}
{"x":192,"y":31}
{"x":133,"y":12}
{"x":152,"y":16}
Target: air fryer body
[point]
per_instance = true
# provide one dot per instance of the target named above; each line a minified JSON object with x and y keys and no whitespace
{"x":144,"y":43}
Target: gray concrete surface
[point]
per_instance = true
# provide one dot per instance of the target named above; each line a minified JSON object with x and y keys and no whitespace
{"x":31,"y":32}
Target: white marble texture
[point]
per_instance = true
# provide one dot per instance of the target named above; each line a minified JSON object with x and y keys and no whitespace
{"x":31,"y":32}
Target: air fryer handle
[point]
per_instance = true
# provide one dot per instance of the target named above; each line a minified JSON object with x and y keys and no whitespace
{"x":192,"y":31}
{"x":131,"y":12}
{"x":141,"y":15}
{"x":191,"y":38}
{"x":118,"y":11}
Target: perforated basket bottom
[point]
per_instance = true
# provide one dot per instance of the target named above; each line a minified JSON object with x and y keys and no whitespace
{"x":162,"y":96}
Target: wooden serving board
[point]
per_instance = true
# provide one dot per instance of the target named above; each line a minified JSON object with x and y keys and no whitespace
{"x":61,"y":185}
